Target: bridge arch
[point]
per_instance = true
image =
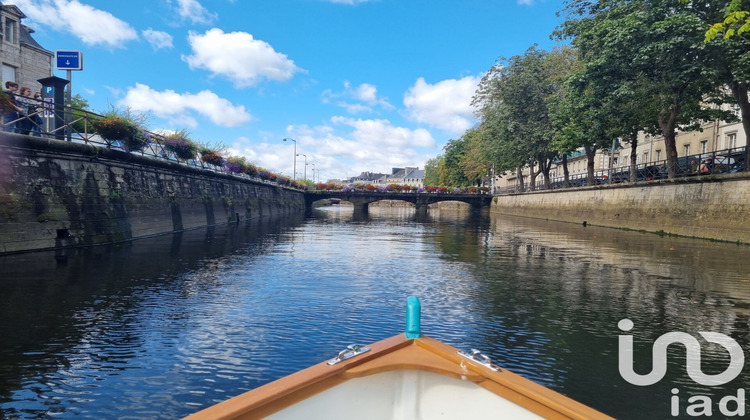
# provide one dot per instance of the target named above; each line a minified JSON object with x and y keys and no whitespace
{"x":362,"y":199}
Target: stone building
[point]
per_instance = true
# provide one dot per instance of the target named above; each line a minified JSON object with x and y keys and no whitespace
{"x":411,"y":176}
{"x":24,"y":60}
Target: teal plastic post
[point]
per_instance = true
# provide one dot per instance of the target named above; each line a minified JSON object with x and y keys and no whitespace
{"x":413,"y":317}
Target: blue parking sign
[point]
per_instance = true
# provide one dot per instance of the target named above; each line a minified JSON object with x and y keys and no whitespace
{"x":69,"y":60}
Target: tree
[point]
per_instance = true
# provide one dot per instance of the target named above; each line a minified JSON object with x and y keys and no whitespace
{"x":432,"y":171}
{"x":476,"y":160}
{"x":520,"y":91}
{"x":81,"y":111}
{"x":452,"y":172}
{"x":736,"y":22}
{"x":668,"y":69}
{"x":734,"y":65}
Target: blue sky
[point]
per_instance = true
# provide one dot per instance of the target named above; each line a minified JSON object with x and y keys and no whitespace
{"x":362,"y":85}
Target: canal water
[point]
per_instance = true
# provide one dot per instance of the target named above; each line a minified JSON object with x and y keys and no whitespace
{"x":159,"y":328}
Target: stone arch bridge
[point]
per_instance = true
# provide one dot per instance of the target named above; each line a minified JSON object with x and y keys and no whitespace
{"x":362,"y":199}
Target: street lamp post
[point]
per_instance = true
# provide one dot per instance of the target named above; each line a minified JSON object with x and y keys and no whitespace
{"x":294,"y":176}
{"x":302,"y":154}
{"x":313,"y":165}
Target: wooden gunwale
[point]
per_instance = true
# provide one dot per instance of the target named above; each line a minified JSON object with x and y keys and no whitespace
{"x":398,"y":353}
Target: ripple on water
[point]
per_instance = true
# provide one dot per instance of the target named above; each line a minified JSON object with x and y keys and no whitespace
{"x":213,"y":319}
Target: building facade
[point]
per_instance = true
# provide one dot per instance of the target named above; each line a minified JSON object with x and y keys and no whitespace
{"x":411,"y":176}
{"x":24,"y":61}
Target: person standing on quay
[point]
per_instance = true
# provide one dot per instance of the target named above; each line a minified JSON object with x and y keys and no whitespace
{"x":27,"y":107}
{"x":12,"y":114}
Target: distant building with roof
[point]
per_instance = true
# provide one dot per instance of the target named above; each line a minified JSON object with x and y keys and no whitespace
{"x":24,"y":61}
{"x":412,"y":176}
{"x":368,"y":178}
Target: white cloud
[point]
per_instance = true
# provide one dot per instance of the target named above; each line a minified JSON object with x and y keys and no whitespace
{"x":157,"y":39}
{"x":193,"y":11}
{"x":445,"y":105}
{"x":380,"y":133}
{"x":366,"y":95}
{"x":344,"y":148}
{"x":90,"y":25}
{"x":239,"y":57}
{"x":175,"y":106}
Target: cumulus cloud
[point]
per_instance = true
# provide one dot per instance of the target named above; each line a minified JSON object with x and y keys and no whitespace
{"x":193,"y":11}
{"x":445,"y":105}
{"x":90,"y":25}
{"x":157,"y":39}
{"x":379,"y":133}
{"x":365,"y":95}
{"x":176,"y":107}
{"x":239,"y":57}
{"x":342,"y":148}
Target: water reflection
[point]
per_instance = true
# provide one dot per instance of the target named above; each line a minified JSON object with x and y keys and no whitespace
{"x":161,"y":327}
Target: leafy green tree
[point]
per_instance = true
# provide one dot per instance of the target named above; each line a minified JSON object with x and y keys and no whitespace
{"x":476,"y":162}
{"x":734,"y":65}
{"x":452,"y":173}
{"x":660,"y":61}
{"x":507,"y":151}
{"x":81,"y":114}
{"x":432,"y":171}
{"x":736,"y":21}
{"x":519,"y":91}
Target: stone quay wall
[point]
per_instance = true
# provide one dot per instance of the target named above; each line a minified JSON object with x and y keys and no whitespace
{"x":57,"y":194}
{"x":711,"y":207}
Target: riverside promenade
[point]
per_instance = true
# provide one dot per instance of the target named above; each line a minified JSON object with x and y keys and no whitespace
{"x":715,"y":207}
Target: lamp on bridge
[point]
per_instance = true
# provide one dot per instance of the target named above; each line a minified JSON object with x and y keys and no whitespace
{"x":313,"y":165}
{"x":294,"y":171}
{"x":302,"y":154}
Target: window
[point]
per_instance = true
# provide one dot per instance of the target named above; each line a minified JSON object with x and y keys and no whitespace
{"x":686,"y":149}
{"x":658,"y":155}
{"x":9,"y":74}
{"x":731,"y":140}
{"x":704,"y":146}
{"x":11,"y":29}
{"x":645,"y":157}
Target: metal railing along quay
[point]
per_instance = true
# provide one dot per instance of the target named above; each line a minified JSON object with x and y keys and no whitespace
{"x":81,"y":130}
{"x":714,"y":163}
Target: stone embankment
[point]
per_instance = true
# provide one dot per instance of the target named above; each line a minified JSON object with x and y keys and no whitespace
{"x":58,"y":194}
{"x":711,"y":207}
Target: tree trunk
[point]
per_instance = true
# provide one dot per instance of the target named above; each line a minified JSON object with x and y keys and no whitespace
{"x":590,"y":155}
{"x":532,"y":178}
{"x":667,"y":123}
{"x":633,"y":136}
{"x":519,"y":177}
{"x":740,"y":91}
{"x":566,"y":173}
{"x":545,"y":166}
